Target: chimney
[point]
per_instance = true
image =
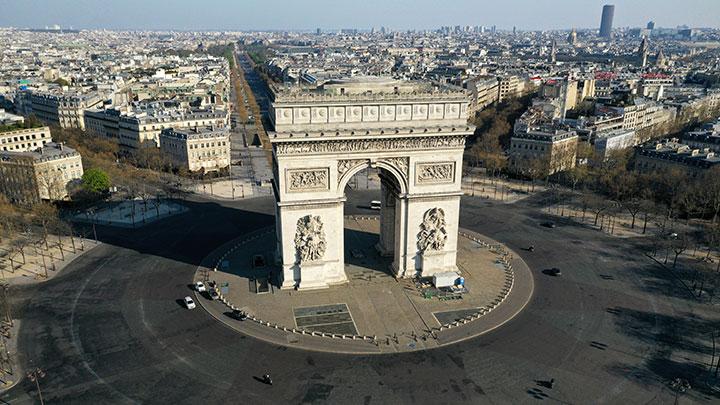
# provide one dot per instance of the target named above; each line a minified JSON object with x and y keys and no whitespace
{"x":60,"y":145}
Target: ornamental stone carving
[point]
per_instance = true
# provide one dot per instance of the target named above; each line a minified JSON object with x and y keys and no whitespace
{"x":433,"y":235}
{"x":347,"y":164}
{"x":310,"y":239}
{"x":435,"y":172}
{"x":369,"y":145}
{"x":308,"y":179}
{"x":401,"y":163}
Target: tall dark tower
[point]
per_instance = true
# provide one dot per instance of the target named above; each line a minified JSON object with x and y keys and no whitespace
{"x":607,"y":20}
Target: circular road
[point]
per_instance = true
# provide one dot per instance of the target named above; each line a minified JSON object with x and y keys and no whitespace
{"x":112,"y":329}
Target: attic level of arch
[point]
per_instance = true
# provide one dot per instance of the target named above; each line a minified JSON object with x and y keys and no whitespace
{"x":287,"y":119}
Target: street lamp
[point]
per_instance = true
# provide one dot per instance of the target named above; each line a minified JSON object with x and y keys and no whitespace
{"x":35,"y":376}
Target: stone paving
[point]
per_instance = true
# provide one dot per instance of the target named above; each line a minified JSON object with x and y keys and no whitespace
{"x":133,"y":213}
{"x":378,"y":305}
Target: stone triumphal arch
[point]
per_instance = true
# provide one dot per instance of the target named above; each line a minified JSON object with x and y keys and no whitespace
{"x":412,"y":132}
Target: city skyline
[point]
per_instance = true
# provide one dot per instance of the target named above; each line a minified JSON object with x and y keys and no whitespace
{"x":401,"y":15}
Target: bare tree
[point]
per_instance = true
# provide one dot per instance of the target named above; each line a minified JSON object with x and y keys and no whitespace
{"x":46,"y":215}
{"x":679,"y":244}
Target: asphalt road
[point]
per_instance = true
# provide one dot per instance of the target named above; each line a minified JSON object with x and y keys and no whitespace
{"x":110,"y":329}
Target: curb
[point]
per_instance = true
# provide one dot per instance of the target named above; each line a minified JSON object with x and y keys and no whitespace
{"x":505,"y":256}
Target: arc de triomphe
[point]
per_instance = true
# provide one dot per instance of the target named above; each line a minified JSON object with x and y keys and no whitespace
{"x":413,"y":132}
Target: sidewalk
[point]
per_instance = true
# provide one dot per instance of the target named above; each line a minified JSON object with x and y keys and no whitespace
{"x":41,"y":264}
{"x":509,"y":191}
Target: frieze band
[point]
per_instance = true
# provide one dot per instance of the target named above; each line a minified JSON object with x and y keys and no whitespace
{"x":368,"y":145}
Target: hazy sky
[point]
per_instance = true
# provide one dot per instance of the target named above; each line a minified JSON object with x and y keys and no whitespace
{"x":327,"y":14}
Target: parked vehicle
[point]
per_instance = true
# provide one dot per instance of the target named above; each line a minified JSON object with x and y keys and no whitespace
{"x":200,"y":286}
{"x":189,"y":303}
{"x":375,"y":205}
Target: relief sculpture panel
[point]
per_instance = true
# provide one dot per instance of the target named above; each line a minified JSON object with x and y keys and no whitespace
{"x":433,"y":173}
{"x":308,"y":179}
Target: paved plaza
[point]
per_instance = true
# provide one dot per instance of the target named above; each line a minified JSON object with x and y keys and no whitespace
{"x":373,"y":303}
{"x":132,"y":213}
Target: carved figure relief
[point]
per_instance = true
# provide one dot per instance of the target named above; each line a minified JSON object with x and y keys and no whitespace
{"x":435,"y":172}
{"x":308,"y":180}
{"x":432,"y":236}
{"x":310,"y":239}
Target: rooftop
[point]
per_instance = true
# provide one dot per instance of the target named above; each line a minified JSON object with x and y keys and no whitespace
{"x":51,"y":151}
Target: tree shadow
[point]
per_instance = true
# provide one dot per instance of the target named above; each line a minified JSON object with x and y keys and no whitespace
{"x":676,"y":339}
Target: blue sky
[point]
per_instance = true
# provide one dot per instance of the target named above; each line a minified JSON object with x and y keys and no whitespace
{"x":328,"y":14}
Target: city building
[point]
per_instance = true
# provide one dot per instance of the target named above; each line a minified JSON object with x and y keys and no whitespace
{"x":43,"y":174}
{"x":671,"y":153}
{"x":606,"y":21}
{"x":10,"y":119}
{"x":21,"y":140}
{"x":509,"y":86}
{"x":64,"y":110}
{"x":196,"y":149}
{"x":609,"y":141}
{"x":639,"y":114}
{"x":141,"y":128}
{"x":542,"y":150}
{"x":484,"y":91}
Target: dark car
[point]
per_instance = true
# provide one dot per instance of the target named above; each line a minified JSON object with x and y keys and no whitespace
{"x":548,"y":224}
{"x":554,"y":272}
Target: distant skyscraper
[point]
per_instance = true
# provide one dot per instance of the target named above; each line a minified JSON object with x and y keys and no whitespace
{"x":553,"y":52}
{"x":651,"y":25}
{"x":514,"y":30}
{"x":607,"y":20}
{"x":318,"y":31}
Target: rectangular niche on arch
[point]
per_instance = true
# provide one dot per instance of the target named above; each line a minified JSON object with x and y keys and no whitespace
{"x":435,"y":173}
{"x":304,"y":180}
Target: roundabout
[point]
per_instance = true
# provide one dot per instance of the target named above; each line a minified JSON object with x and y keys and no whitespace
{"x":373,"y":312}
{"x":109,"y":328}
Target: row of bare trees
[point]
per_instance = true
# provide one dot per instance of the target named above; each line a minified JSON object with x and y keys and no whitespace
{"x":39,"y":228}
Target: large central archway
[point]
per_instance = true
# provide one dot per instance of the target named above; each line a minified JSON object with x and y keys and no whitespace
{"x":415,"y":137}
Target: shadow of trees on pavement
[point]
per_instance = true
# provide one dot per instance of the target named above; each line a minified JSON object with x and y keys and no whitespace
{"x":681,"y":347}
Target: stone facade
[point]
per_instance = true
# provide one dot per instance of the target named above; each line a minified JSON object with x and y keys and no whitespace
{"x":196,"y":149}
{"x":42,"y":174}
{"x":413,"y":133}
{"x":543,"y":151}
{"x":22,"y":140}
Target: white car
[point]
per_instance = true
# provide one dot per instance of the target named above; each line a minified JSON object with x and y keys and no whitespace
{"x":189,"y":303}
{"x":200,"y":286}
{"x":375,"y":205}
